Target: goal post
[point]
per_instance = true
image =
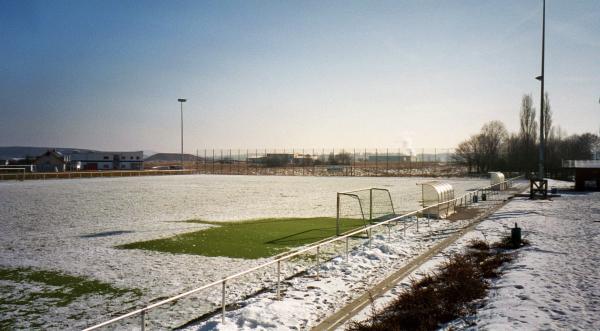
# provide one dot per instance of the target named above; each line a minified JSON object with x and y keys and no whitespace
{"x":369,"y":205}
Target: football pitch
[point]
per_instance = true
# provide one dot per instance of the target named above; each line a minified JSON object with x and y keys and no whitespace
{"x":249,"y":239}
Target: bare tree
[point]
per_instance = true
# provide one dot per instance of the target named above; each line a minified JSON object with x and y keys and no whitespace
{"x":527,"y":120}
{"x":492,"y":137}
{"x":465,"y":154}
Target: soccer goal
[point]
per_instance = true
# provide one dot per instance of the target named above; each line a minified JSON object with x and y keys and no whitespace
{"x":370,"y":205}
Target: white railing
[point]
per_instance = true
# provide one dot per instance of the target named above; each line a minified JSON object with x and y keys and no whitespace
{"x":465,"y":200}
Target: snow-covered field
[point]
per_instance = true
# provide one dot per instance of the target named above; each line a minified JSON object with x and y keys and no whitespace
{"x":308,"y":300}
{"x":554,"y":284}
{"x":73,"y":225}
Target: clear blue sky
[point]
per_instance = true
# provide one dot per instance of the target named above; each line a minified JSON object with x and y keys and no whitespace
{"x":107,"y":74}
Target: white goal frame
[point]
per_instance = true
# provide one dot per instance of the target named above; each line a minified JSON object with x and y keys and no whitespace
{"x":354,"y":195}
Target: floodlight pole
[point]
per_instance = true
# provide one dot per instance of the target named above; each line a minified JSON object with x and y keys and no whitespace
{"x":181,"y":101}
{"x":541,"y":79}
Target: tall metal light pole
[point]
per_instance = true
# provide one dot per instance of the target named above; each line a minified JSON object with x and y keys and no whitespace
{"x":181,"y":101}
{"x":541,"y":79}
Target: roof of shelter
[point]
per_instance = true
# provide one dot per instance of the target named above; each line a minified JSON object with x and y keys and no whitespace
{"x":586,"y":164}
{"x":438,"y":186}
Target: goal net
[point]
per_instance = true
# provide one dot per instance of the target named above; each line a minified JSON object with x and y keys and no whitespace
{"x":368,"y":205}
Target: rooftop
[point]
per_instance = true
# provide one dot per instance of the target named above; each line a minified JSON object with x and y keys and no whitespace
{"x":588,"y":164}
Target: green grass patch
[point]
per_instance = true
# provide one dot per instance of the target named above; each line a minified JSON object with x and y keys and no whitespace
{"x":65,"y":288}
{"x":37,"y":291}
{"x":249,"y":239}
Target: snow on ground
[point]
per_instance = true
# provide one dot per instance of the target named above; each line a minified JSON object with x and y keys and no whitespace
{"x":72,"y":226}
{"x":554,"y":284}
{"x":308,"y":300}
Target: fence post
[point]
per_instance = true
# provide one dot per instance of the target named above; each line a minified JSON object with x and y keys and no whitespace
{"x":223,"y":303}
{"x":337,"y":217}
{"x":389,"y":233}
{"x":370,"y":206}
{"x":278,"y":278}
{"x":347,"y":238}
{"x":318,"y":263}
{"x":143,"y":320}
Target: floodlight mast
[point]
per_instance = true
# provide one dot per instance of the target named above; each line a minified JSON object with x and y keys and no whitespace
{"x":181,"y":101}
{"x":542,"y":110}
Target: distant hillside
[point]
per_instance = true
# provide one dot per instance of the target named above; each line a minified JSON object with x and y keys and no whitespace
{"x":21,"y":152}
{"x":170,"y":157}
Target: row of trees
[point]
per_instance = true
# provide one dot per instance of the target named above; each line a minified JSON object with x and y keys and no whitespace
{"x":494,"y":148}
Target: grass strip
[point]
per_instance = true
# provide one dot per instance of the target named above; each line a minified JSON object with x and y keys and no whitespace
{"x":249,"y":239}
{"x":48,"y":289}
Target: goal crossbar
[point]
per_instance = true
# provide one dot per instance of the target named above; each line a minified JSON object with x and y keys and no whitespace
{"x":356,"y":194}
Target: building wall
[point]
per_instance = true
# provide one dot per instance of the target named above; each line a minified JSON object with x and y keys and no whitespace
{"x":587,"y":178}
{"x":110,"y":160}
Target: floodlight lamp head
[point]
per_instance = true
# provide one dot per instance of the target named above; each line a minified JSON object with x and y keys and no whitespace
{"x":182,"y":100}
{"x":539,"y":78}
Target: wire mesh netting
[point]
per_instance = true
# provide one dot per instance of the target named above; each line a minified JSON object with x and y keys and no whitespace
{"x":369,"y":205}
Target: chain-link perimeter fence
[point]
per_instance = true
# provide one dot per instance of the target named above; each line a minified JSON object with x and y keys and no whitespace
{"x":323,"y":162}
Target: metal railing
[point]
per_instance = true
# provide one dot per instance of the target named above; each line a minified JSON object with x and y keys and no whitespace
{"x":13,"y":172}
{"x":465,"y":200}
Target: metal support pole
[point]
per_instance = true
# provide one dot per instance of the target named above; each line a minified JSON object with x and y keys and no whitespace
{"x":542,"y":138}
{"x":278,"y":279}
{"x":303,"y":161}
{"x":143,"y":320}
{"x":376,"y":161}
{"x":387,"y":161}
{"x":347,"y":239}
{"x":223,"y":303}
{"x":293,"y":161}
{"x":353,"y":162}
{"x":181,"y":102}
{"x":337,"y":217}
{"x":370,"y":205}
{"x":318,"y":262}
{"x":389,"y":232}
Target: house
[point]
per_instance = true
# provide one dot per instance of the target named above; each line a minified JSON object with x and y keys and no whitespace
{"x":278,"y":159}
{"x":587,"y":173}
{"x":51,"y":161}
{"x":108,"y":160}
